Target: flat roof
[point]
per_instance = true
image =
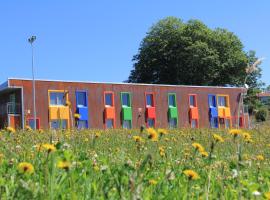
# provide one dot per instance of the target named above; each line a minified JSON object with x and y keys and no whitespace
{"x":122,"y":83}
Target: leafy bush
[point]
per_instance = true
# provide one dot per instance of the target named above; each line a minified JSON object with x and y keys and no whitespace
{"x":261,"y":115}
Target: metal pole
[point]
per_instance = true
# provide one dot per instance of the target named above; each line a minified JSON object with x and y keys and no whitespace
{"x":34,"y":89}
{"x":31,"y":41}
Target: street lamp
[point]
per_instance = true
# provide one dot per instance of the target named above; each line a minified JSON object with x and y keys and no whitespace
{"x":249,"y":71}
{"x":31,"y":41}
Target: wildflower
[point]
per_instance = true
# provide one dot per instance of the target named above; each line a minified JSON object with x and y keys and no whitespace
{"x":152,"y":134}
{"x":77,"y":116}
{"x":152,"y":182}
{"x":11,"y":129}
{"x":192,"y":175}
{"x":162,"y":131}
{"x":260,"y":157}
{"x":204,"y":154}
{"x":234,"y":173}
{"x":246,"y":136}
{"x":256,"y":193}
{"x":49,"y":147}
{"x":161,"y":151}
{"x":40,"y":131}
{"x":198,"y":147}
{"x":137,"y":139}
{"x":218,"y":138}
{"x":167,"y":139}
{"x":25,"y":168}
{"x":86,"y":139}
{"x":267,"y":195}
{"x":64,"y":165}
{"x":248,"y":140}
{"x":68,"y":103}
{"x":28,"y":128}
{"x":235,"y":132}
{"x":96,"y":168}
{"x":97,"y":135}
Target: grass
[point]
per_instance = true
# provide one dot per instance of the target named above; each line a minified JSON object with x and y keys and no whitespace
{"x":114,"y":164}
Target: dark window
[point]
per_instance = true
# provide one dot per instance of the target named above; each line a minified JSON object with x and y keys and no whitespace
{"x":212,"y":101}
{"x":173,"y":123}
{"x":222,"y":101}
{"x":126,"y":99}
{"x":57,"y":98}
{"x":192,"y":100}
{"x":59,"y":124}
{"x":109,"y":123}
{"x":149,"y":100}
{"x":172,"y":102}
{"x":81,"y":99}
{"x":108,"y":99}
{"x":150,"y":122}
{"x":127,"y":124}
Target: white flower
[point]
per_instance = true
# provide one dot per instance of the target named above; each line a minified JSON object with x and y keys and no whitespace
{"x":256,"y":193}
{"x":235,"y":173}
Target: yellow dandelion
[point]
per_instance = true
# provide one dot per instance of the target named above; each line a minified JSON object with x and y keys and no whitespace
{"x":97,"y":134}
{"x":41,"y":131}
{"x":204,"y":154}
{"x":246,"y":136}
{"x":49,"y":147}
{"x":25,"y":168}
{"x":28,"y":128}
{"x":152,"y":182}
{"x":68,"y":103}
{"x":218,"y":138}
{"x":249,"y":140}
{"x":198,"y":147}
{"x":11,"y":129}
{"x":162,"y":131}
{"x":167,"y":139}
{"x":260,"y":157}
{"x":235,"y":132}
{"x":137,"y":139}
{"x":162,"y":151}
{"x":152,"y":134}
{"x":192,"y":175}
{"x":267,"y":195}
{"x":64,"y":165}
{"x":77,"y":116}
{"x":96,"y":168}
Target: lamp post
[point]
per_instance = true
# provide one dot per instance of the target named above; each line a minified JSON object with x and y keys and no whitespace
{"x":31,"y":41}
{"x":249,"y":71}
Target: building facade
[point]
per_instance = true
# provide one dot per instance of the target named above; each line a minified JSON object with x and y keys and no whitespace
{"x":119,"y":105}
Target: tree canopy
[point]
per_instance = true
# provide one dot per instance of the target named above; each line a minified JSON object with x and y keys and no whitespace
{"x":174,"y":52}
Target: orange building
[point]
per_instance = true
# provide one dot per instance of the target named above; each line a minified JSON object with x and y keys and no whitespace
{"x":116,"y":105}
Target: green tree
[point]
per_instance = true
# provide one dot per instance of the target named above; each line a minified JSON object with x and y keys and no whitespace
{"x":174,"y":52}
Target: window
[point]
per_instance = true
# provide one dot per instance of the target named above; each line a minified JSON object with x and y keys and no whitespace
{"x":81,"y":99}
{"x":192,"y":100}
{"x":193,"y":123}
{"x":82,"y":124}
{"x":173,"y":123}
{"x":214,"y":122}
{"x":212,"y":101}
{"x":227,"y":123}
{"x":109,"y":123}
{"x":172,"y":100}
{"x":109,"y":99}
{"x":125,"y":99}
{"x":59,"y":124}
{"x":57,"y":98}
{"x":222,"y":101}
{"x":31,"y":123}
{"x":127,"y":124}
{"x":150,"y":122}
{"x":149,"y":100}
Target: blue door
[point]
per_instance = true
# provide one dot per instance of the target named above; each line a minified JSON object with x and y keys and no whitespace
{"x":82,"y":109}
{"x":213,"y":112}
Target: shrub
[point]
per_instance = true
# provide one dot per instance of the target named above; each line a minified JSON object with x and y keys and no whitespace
{"x":261,"y":115}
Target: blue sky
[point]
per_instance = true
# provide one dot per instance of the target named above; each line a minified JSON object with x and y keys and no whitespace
{"x":96,"y":40}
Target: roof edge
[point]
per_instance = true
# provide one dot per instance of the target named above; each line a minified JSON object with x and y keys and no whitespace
{"x":122,"y":83}
{"x":4,"y":85}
